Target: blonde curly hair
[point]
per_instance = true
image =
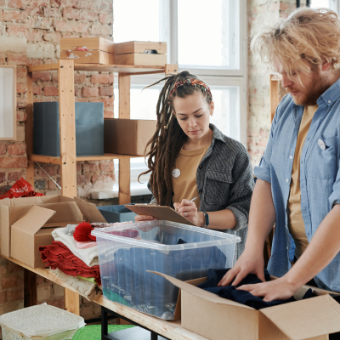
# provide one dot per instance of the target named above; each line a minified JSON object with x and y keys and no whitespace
{"x":307,"y":38}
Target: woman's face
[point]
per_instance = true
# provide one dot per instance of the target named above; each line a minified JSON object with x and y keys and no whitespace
{"x":193,"y":113}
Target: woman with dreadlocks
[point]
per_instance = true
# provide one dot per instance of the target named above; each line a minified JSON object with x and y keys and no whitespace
{"x":191,"y":158}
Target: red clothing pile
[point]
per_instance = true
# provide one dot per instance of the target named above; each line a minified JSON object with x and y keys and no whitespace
{"x":57,"y":255}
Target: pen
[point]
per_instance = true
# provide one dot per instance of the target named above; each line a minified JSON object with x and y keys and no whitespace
{"x":192,"y":200}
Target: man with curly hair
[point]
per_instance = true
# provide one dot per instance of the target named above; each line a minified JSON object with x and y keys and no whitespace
{"x":298,"y":179}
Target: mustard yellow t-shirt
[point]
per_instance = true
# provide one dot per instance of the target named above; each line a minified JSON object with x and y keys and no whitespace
{"x":295,"y":221}
{"x":185,"y":185}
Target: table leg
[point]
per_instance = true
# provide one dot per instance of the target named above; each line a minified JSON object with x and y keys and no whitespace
{"x":30,"y":288}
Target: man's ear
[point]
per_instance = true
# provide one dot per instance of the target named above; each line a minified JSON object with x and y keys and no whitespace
{"x":211,"y":108}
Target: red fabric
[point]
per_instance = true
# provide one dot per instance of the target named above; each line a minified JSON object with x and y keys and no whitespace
{"x":82,"y":233}
{"x":20,"y":188}
{"x":57,"y":255}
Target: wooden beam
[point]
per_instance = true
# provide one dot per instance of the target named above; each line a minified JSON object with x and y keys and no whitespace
{"x":171,"y":68}
{"x":30,"y":288}
{"x":124,"y":195}
{"x":29,"y":130}
{"x":67,"y":128}
{"x":72,"y":301}
{"x":124,"y":83}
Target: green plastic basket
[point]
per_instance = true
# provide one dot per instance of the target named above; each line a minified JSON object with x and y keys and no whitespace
{"x":94,"y":332}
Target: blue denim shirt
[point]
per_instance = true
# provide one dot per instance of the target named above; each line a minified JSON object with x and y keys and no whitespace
{"x":319,"y":176}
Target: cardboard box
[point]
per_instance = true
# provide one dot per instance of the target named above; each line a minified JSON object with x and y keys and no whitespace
{"x":32,"y":231}
{"x":141,"y":53}
{"x":11,"y":210}
{"x":94,"y":43}
{"x":99,"y":50}
{"x":127,"y":136}
{"x":89,"y":57}
{"x":217,"y":318}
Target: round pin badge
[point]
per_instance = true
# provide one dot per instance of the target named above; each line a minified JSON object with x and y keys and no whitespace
{"x":176,"y":173}
{"x":322,"y":144}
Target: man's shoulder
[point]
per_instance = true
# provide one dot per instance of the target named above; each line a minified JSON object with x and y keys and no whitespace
{"x":286,"y":104}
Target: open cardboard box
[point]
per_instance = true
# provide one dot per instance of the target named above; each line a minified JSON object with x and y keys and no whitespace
{"x":27,"y":224}
{"x":217,"y":318}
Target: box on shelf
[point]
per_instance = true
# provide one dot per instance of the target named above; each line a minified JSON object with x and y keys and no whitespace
{"x":117,"y":213}
{"x":24,"y":229}
{"x":94,"y":50}
{"x":309,"y":319}
{"x":42,"y":322}
{"x":141,"y":53}
{"x":89,"y":129}
{"x":127,"y":252}
{"x":127,"y":136}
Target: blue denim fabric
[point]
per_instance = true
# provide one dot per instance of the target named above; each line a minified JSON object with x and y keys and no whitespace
{"x":319,"y":176}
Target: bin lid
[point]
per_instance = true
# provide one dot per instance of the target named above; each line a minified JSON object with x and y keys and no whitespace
{"x":41,"y":320}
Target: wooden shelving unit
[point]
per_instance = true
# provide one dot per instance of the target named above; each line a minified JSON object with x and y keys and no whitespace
{"x":68,"y":159}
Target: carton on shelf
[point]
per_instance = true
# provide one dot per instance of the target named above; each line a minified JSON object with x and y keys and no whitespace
{"x":215,"y":318}
{"x":141,"y":53}
{"x":127,"y":136}
{"x":27,"y":223}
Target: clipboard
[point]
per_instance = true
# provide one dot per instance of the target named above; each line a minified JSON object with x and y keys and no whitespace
{"x":160,"y":212}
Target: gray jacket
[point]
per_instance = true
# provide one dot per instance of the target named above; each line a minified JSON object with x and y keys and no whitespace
{"x":225,"y":181}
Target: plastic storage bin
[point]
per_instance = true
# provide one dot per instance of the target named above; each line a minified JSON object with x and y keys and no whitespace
{"x":117,"y":213}
{"x":182,"y":251}
{"x":43,"y":322}
{"x":89,"y":129}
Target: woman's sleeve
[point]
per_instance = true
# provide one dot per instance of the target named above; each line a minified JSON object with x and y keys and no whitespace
{"x":241,"y":189}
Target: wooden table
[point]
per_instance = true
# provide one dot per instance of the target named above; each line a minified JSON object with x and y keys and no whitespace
{"x":168,"y":329}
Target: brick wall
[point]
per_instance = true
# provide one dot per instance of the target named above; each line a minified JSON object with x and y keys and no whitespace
{"x":261,"y":12}
{"x":30,"y":32}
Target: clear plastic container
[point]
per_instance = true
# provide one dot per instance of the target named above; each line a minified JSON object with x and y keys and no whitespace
{"x":186,"y":252}
{"x":40,"y":322}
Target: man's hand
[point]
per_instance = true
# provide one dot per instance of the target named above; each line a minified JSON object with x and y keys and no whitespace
{"x":250,"y":262}
{"x":279,"y":289}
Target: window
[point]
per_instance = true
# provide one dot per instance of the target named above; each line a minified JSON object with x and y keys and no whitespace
{"x":209,"y":41}
{"x":332,"y":4}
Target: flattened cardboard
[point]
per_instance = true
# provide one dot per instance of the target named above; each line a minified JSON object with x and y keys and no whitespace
{"x":90,"y":211}
{"x":127,"y":136}
{"x":160,"y":212}
{"x":209,"y":315}
{"x":24,"y":246}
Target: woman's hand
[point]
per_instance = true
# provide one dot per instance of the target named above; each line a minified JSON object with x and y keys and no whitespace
{"x":188,"y":209}
{"x":144,"y":218}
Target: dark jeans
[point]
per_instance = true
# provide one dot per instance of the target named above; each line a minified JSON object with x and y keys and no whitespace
{"x":334,"y":336}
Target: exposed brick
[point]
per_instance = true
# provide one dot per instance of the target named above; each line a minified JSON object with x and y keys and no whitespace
{"x":106,"y":6}
{"x":21,"y":88}
{"x":13,"y":162}
{"x":21,"y":115}
{"x":53,"y":37}
{"x":43,"y":293}
{"x":106,"y":91}
{"x":15,"y":295}
{"x":56,"y":3}
{"x":70,"y":13}
{"x":88,"y":16}
{"x":106,"y":18}
{"x":34,"y":11}
{"x":99,"y":29}
{"x":90,"y":92}
{"x":16,"y":4}
{"x":39,"y":3}
{"x":13,"y":15}
{"x":12,"y":281}
{"x":15,"y":176}
{"x":66,"y":26}
{"x":100,"y":79}
{"x":37,"y":90}
{"x":3,"y":149}
{"x":16,"y":30}
{"x":2,"y":2}
{"x":40,"y":184}
{"x":2,"y":179}
{"x":104,"y":165}
{"x":2,"y":58}
{"x":16,"y":58}
{"x":79,"y":78}
{"x":42,"y":24}
{"x":90,"y":167}
{"x":109,"y":114}
{"x":21,"y":73}
{"x":51,"y":91}
{"x":44,"y":76}
{"x":16,"y":149}
{"x":3,"y":297}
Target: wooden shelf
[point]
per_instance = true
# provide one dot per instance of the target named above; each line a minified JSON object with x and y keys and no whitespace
{"x":169,"y":329}
{"x":57,"y":160}
{"x":126,"y":69}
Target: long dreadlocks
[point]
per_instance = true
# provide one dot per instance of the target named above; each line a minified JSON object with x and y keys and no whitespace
{"x":168,"y":138}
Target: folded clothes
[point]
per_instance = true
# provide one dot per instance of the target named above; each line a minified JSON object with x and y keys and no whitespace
{"x":70,"y":228}
{"x":84,"y":245}
{"x":87,"y":255}
{"x":57,"y":255}
{"x":86,"y":288}
{"x":242,"y":296}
